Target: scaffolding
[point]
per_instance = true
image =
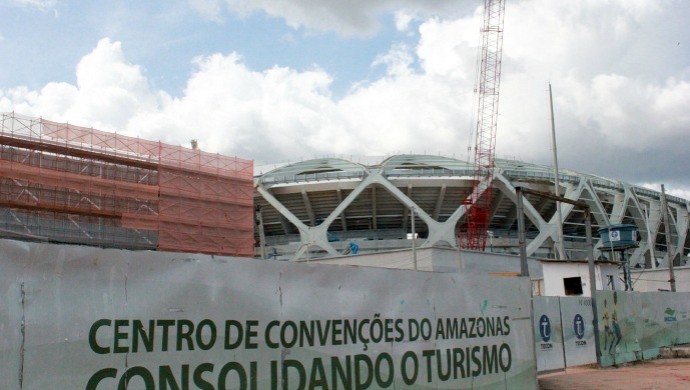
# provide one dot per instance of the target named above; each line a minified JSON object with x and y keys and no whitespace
{"x":65,"y":183}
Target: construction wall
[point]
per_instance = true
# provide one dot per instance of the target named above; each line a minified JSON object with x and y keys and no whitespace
{"x":563,"y":332}
{"x":632,"y":326}
{"x":89,"y":318}
{"x":64,"y":183}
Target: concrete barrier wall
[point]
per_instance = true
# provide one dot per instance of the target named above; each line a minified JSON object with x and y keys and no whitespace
{"x":578,"y":330}
{"x":89,"y":318}
{"x":548,"y":334}
{"x":632,"y":326}
{"x":563,"y":332}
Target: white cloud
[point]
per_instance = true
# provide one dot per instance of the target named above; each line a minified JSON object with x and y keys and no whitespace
{"x":42,"y":5}
{"x":398,"y":61}
{"x":619,"y":86}
{"x":448,"y":48}
{"x":354,"y":17}
{"x":108,"y":93}
{"x":210,"y":9}
{"x":620,"y":97}
{"x":271,"y":115}
{"x":403,"y":19}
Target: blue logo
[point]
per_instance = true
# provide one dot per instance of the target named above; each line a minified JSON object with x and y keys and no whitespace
{"x":545,"y":328}
{"x":615,"y":235}
{"x":579,"y":326}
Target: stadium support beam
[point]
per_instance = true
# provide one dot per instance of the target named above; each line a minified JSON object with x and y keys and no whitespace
{"x":642,"y":221}
{"x":343,"y":218}
{"x":285,"y":224}
{"x":437,"y":231}
{"x":439,"y":201}
{"x":545,"y":230}
{"x":496,"y":204}
{"x":510,"y":219}
{"x":307,"y":206}
{"x":653,"y":221}
{"x":676,"y":225}
{"x":406,"y":210}
{"x":601,"y":215}
{"x":550,"y":229}
{"x":374,"y":221}
{"x":681,"y":227}
{"x":508,"y":190}
{"x":370,"y":179}
{"x":309,"y":236}
{"x":619,"y":206}
{"x":445,"y":231}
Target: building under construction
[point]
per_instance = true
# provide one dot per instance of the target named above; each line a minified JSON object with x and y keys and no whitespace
{"x":64,"y":183}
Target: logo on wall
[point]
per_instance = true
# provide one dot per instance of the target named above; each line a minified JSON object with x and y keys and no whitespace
{"x":579,"y":326}
{"x":670,"y":315}
{"x":545,"y":328}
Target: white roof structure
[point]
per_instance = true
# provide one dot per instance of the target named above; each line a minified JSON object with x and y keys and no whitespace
{"x":317,"y":208}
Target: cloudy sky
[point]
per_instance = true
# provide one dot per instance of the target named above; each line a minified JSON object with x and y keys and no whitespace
{"x":286,"y":80}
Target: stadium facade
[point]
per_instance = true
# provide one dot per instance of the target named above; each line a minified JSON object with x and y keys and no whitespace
{"x":330,"y":207}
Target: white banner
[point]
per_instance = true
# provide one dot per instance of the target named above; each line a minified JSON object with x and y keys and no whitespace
{"x":87,"y":318}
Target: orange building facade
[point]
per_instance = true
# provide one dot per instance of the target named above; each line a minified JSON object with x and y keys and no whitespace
{"x":64,"y":183}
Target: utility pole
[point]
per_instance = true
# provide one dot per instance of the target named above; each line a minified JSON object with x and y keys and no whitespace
{"x":414,"y":246}
{"x":560,"y":245}
{"x":669,"y":245}
{"x":522,"y":240}
{"x":262,"y":235}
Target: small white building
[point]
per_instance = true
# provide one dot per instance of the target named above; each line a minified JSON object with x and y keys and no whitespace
{"x":571,"y":277}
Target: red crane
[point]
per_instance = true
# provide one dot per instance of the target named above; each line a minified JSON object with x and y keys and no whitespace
{"x":478,"y":216}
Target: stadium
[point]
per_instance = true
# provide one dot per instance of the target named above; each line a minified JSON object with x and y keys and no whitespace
{"x":68,"y":184}
{"x":332,"y":207}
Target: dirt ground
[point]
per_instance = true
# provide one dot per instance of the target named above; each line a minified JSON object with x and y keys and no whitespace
{"x":664,"y":374}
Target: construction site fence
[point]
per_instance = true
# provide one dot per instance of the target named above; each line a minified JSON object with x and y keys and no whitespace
{"x":633,"y":326}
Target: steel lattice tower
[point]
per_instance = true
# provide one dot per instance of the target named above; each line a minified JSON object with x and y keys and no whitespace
{"x":478,"y":215}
